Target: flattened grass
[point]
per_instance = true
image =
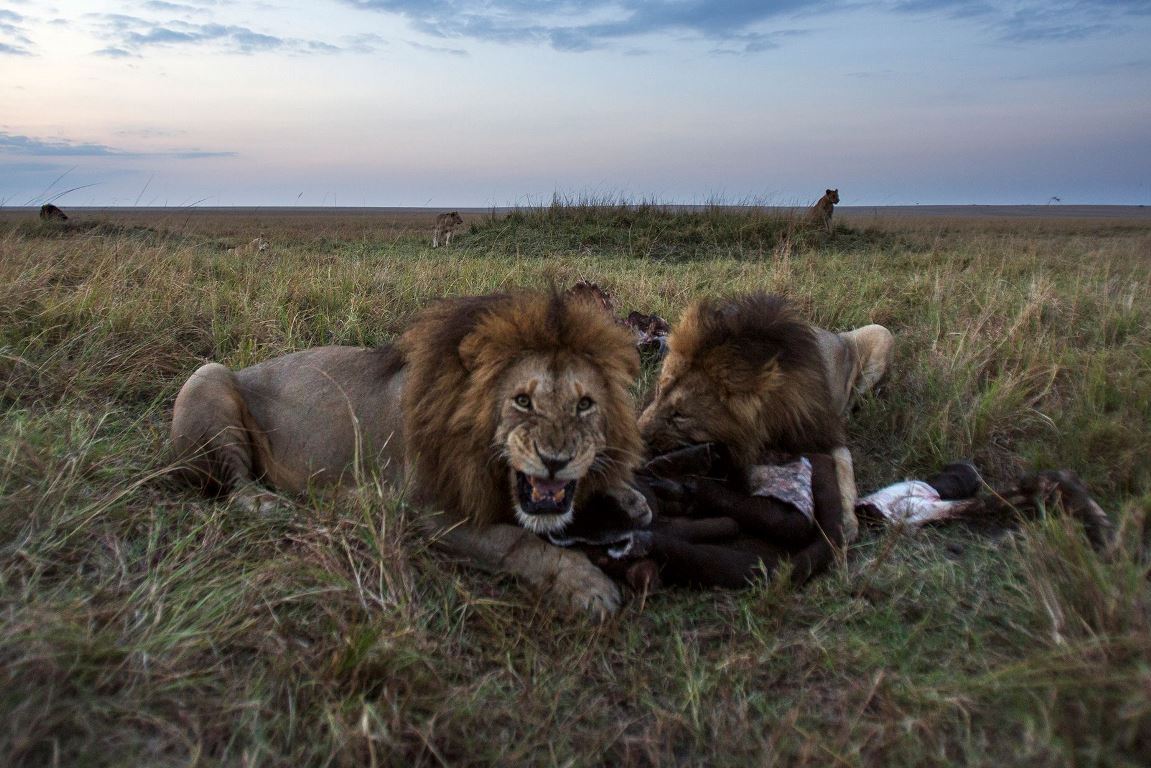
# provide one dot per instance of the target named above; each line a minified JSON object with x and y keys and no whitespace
{"x":142,"y":625}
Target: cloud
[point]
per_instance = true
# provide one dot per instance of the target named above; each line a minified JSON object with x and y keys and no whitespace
{"x":160,"y":5}
{"x":1025,"y":30}
{"x":366,"y":42}
{"x":26,"y":146}
{"x":584,"y":25}
{"x":1032,"y":22}
{"x":114,"y":53}
{"x":733,"y":26}
{"x":14,"y":40}
{"x":957,"y":9}
{"x":133,"y":35}
{"x":438,"y":49}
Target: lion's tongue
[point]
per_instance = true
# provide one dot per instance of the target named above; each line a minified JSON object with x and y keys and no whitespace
{"x":542,"y":489}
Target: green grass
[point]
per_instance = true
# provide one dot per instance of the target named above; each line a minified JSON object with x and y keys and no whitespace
{"x":142,"y":625}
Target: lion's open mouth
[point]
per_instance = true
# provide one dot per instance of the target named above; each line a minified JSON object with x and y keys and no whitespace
{"x":543,"y":505}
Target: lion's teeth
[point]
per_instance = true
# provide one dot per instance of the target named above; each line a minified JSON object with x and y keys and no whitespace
{"x":541,"y":489}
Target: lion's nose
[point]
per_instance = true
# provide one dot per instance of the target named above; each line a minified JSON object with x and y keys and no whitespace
{"x":553,"y":464}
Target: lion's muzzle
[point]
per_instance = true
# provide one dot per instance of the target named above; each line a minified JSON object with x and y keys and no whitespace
{"x":541,"y":496}
{"x":542,"y":504}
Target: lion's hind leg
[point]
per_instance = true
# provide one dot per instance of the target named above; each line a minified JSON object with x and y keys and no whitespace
{"x":875,"y":346}
{"x":214,"y":438}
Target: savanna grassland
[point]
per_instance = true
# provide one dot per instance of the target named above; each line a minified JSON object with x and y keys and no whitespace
{"x":143,"y":625}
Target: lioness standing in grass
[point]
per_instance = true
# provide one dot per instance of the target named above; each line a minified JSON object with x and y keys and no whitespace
{"x":446,"y":225}
{"x":820,"y":213}
{"x":490,"y":411}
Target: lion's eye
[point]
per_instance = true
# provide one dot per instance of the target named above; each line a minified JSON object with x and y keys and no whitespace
{"x":584,"y":405}
{"x":523,"y":401}
{"x":677,"y":416}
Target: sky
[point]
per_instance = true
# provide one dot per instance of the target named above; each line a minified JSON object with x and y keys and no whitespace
{"x":443,"y":103}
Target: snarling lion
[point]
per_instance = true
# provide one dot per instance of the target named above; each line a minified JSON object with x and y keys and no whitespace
{"x":820,"y":213}
{"x":446,"y":225}
{"x":496,"y":413}
{"x":752,"y":375}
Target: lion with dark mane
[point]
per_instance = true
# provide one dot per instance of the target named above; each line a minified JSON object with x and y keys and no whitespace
{"x":743,"y":429}
{"x":750,"y":373}
{"x":497,"y":413}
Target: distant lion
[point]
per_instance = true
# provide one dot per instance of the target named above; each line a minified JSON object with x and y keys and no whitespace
{"x":820,"y":213}
{"x":446,"y":225}
{"x":49,"y":212}
{"x":257,"y":245}
{"x":490,"y":411}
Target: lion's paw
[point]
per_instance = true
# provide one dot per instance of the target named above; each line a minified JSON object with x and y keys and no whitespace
{"x":256,"y":501}
{"x":589,"y":590}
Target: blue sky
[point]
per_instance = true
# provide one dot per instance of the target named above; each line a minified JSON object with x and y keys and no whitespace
{"x":445,"y":103}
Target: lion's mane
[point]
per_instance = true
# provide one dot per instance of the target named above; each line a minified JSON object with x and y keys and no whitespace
{"x":757,"y":346}
{"x":456,"y":353}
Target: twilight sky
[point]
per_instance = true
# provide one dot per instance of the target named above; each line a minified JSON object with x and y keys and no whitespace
{"x":448,"y":103}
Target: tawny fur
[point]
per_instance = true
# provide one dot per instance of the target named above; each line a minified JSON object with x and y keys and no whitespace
{"x":458,"y":351}
{"x":251,"y":248}
{"x":435,"y":414}
{"x":446,"y":225}
{"x":820,"y":214}
{"x":49,"y":212}
{"x":746,"y":372}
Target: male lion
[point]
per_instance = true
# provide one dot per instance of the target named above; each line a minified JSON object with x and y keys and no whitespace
{"x":446,"y":225}
{"x":820,"y":213}
{"x":750,"y":374}
{"x":49,"y":212}
{"x":491,"y":410}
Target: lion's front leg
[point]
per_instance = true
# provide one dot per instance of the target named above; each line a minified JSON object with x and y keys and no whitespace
{"x":845,"y":476}
{"x":566,"y":576}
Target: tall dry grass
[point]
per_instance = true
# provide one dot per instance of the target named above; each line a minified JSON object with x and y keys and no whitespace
{"x":140,"y":624}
